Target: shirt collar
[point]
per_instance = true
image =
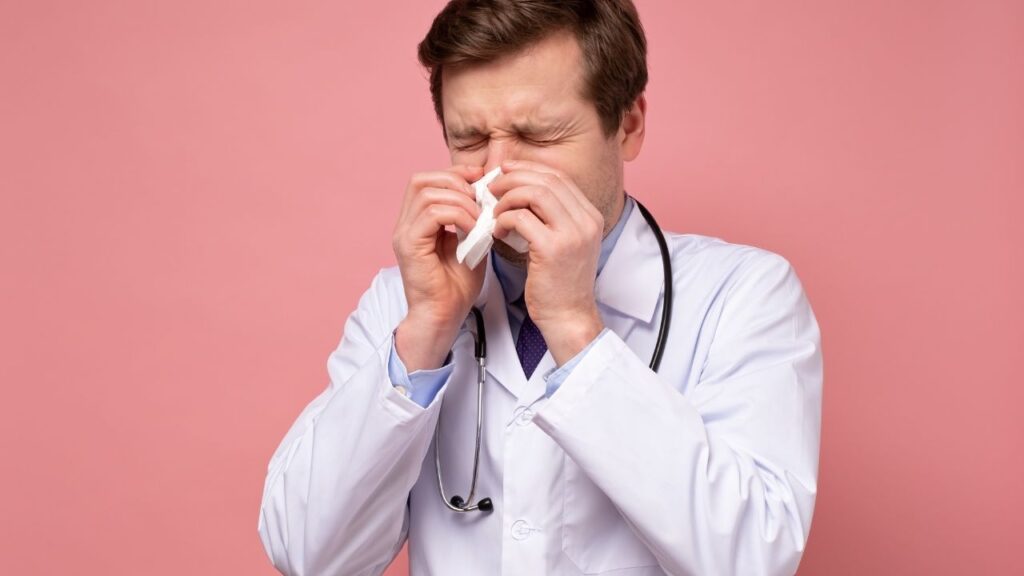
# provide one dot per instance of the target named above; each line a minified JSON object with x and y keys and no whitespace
{"x":513,"y":278}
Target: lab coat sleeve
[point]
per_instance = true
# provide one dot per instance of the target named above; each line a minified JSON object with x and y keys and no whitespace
{"x":721,"y":480}
{"x":337,"y":487}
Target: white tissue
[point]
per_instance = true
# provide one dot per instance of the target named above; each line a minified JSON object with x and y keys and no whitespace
{"x":473,"y":247}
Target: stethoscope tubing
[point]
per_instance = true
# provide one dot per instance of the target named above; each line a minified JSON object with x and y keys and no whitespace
{"x":666,"y":268}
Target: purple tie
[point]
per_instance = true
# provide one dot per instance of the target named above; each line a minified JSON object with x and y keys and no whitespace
{"x":530,"y":346}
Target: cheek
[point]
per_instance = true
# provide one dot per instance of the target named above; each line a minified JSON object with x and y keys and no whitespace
{"x":566,"y":159}
{"x":552,"y":156}
{"x":597,"y":172}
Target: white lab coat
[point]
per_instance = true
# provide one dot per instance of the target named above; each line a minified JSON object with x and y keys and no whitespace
{"x":707,"y":467}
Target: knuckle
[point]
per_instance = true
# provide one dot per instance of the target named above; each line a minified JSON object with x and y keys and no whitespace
{"x":417,"y":179}
{"x":427,"y":195}
{"x":550,"y":179}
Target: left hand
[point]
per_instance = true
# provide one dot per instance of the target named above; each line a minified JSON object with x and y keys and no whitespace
{"x":564,"y":231}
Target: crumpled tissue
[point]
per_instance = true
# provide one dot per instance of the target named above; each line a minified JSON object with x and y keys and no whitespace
{"x":474,"y":246}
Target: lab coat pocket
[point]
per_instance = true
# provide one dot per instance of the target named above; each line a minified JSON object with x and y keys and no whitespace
{"x":595,"y":537}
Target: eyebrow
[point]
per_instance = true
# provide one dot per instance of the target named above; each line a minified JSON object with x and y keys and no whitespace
{"x":463,"y":133}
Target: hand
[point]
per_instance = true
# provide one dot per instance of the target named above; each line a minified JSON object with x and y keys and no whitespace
{"x":564,"y":231}
{"x":439,"y":290}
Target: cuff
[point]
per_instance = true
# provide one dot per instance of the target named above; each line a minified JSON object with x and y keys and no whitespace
{"x":554,"y":378}
{"x":422,"y":385}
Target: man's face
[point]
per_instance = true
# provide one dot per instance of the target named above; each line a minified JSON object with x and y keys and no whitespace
{"x":529,"y":106}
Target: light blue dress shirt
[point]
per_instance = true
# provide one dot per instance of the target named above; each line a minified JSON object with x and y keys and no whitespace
{"x":422,"y":385}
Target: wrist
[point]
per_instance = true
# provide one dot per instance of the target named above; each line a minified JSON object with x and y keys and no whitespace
{"x":568,"y":338}
{"x":423,"y":344}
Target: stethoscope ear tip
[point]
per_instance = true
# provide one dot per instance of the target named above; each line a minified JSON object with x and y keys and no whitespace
{"x":457,"y":501}
{"x":485,"y":505}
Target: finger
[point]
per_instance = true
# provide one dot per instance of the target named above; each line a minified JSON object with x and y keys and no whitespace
{"x":563,"y":187}
{"x":540,"y":200}
{"x":519,"y":178}
{"x":525,"y":223}
{"x":515,"y":166}
{"x":468,"y":172}
{"x":428,"y":196}
{"x":437,"y":216}
{"x":440,"y":179}
{"x":451,"y":179}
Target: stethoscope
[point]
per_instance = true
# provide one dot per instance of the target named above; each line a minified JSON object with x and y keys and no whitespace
{"x":456,"y":503}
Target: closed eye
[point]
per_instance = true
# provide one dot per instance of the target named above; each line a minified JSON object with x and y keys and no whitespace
{"x":539,"y":141}
{"x":472,"y":146}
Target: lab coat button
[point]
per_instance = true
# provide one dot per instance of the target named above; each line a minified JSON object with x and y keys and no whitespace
{"x":521,"y":530}
{"x":402,"y":390}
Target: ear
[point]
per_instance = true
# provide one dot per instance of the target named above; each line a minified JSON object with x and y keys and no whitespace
{"x":631,"y":131}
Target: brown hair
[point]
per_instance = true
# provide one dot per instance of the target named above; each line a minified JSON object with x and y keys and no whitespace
{"x":608,"y":31}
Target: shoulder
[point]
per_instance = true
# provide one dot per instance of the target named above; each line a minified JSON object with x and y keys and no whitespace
{"x":388,"y":282}
{"x":735,"y":280}
{"x":389,"y":279}
{"x":715,"y":257}
{"x":384,"y":299}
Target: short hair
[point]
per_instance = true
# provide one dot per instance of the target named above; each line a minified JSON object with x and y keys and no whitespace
{"x":609,"y":33}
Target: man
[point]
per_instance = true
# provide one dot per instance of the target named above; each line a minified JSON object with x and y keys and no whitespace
{"x":591,"y":461}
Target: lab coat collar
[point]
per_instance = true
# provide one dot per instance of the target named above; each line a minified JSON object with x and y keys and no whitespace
{"x":631,"y":281}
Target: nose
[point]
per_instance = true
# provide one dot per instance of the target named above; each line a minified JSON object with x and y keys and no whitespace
{"x":498,"y":151}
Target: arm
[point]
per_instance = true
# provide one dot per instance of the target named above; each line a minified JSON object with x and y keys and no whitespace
{"x":335,"y":497}
{"x":334,"y":501}
{"x":723,"y":480}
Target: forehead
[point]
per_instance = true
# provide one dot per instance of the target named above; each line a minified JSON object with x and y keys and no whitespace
{"x":542,"y":83}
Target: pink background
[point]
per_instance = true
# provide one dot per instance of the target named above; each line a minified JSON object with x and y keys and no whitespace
{"x":195,"y":193}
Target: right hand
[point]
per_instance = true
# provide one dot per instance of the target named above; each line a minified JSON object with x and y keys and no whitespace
{"x":438,"y":289}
